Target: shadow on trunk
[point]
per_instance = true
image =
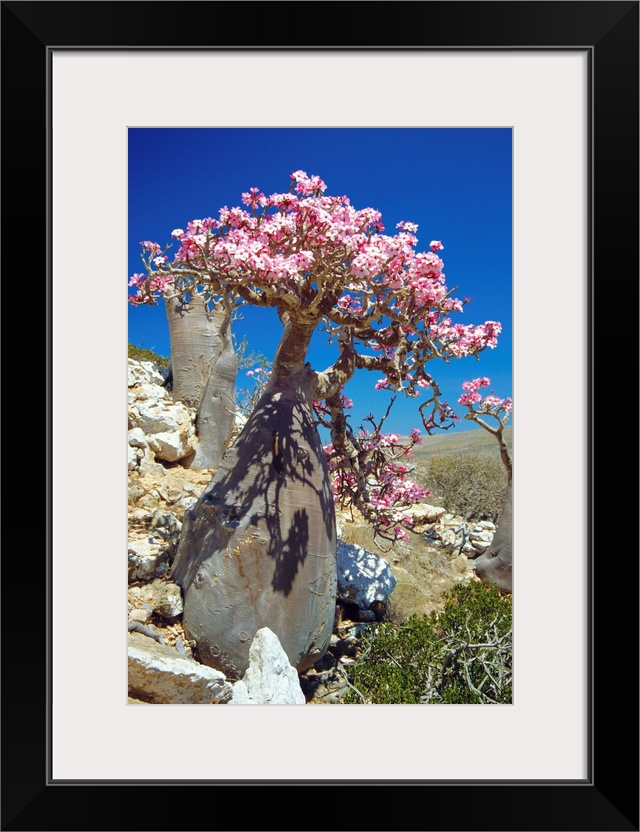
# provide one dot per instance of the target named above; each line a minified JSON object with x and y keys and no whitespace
{"x":259,"y":547}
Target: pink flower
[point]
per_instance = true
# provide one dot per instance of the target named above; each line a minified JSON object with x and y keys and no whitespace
{"x":476,"y":383}
{"x":152,"y":248}
{"x":317,"y":250}
{"x":160,"y":283}
{"x":303,"y":259}
{"x":254,"y":197}
{"x":307,"y":185}
{"x":346,"y":402}
{"x":286,"y":202}
{"x":407,"y":226}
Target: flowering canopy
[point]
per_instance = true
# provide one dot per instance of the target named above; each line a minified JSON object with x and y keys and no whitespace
{"x":319,"y":260}
{"x":490,"y":405}
{"x":479,"y":408}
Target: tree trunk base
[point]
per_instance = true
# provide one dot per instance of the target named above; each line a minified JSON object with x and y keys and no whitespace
{"x":495,"y":565}
{"x":259,"y":547}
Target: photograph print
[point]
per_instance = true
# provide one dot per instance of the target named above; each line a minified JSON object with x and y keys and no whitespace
{"x":320,"y":416}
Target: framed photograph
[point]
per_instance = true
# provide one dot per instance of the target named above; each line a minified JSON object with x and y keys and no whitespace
{"x":563,"y":78}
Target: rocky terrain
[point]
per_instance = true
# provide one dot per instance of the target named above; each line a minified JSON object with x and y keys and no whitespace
{"x":373,"y":583}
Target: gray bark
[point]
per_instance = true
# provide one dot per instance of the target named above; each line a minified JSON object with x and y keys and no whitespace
{"x":259,"y":547}
{"x":495,"y":565}
{"x":204,"y":368}
{"x":216,"y":414}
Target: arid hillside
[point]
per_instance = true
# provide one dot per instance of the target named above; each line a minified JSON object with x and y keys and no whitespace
{"x":476,"y":440}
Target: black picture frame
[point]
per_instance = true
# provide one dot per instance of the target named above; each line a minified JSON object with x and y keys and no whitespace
{"x":608,"y":799}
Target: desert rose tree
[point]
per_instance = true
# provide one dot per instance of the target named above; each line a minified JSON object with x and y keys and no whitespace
{"x":492,"y":413}
{"x":203,"y":360}
{"x":259,"y":547}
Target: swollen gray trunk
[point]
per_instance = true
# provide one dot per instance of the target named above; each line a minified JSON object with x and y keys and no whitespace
{"x":204,"y":367}
{"x":495,"y":565}
{"x":259,"y":547}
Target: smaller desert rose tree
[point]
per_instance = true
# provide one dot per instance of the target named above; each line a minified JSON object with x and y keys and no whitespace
{"x":203,"y":365}
{"x":259,"y":547}
{"x":374,"y":479}
{"x":492,"y":413}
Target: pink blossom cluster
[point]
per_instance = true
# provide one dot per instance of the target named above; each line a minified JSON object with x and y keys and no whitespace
{"x":255,"y":198}
{"x":393,"y":488}
{"x":489,"y":404}
{"x":472,"y":396}
{"x":150,"y":247}
{"x":462,"y":340}
{"x":390,"y":489}
{"x":282,"y":247}
{"x":158,"y":283}
{"x":307,"y":185}
{"x":315,"y":254}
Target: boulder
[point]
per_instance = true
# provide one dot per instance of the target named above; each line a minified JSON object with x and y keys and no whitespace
{"x":156,"y":423}
{"x":159,"y":673}
{"x":363,"y":576}
{"x":147,"y":560}
{"x":270,"y":679}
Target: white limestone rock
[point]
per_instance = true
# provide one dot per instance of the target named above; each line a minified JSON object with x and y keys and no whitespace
{"x":455,"y":537}
{"x":186,"y":503}
{"x":141,"y":614}
{"x":158,"y":672}
{"x":144,"y":372}
{"x":155,"y":420}
{"x":167,"y":599}
{"x":133,"y":458}
{"x":172,"y":446}
{"x":148,"y":467}
{"x":147,"y":560}
{"x":159,"y":417}
{"x":270,"y":679}
{"x":137,"y":439}
{"x":422,"y":513}
{"x":480,"y":537}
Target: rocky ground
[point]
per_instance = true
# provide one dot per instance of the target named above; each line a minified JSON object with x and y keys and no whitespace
{"x":158,"y":500}
{"x":391,"y":583}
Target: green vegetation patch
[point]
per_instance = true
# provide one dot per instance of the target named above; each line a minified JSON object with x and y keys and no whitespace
{"x":473,"y":485}
{"x":460,"y":655}
{"x":142,"y":354}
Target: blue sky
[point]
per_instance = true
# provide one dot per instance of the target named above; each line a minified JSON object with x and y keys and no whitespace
{"x":456,"y":184}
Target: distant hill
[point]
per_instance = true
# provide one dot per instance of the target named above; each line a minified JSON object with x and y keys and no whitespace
{"x":476,"y":440}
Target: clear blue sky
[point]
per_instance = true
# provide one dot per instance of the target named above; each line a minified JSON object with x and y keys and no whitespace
{"x":456,"y":184}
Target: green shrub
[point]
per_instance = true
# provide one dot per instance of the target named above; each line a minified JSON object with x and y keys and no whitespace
{"x":473,"y":485}
{"x":142,"y":354}
{"x":461,"y":655}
